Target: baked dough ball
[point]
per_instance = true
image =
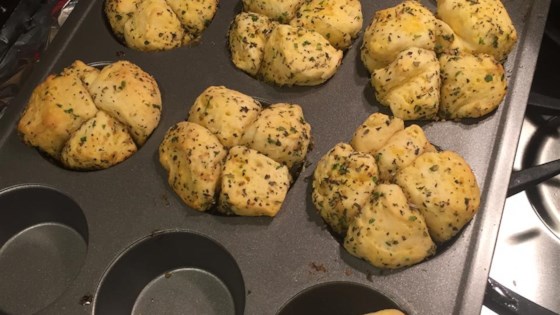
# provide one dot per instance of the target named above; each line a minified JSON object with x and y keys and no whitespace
{"x":252,"y":183}
{"x":443,"y":187}
{"x":342,"y":184}
{"x":153,"y":26}
{"x":89,"y":118}
{"x":375,"y":131}
{"x":387,"y":232}
{"x":195,"y":15}
{"x":247,"y":37}
{"x":226,"y":113}
{"x":118,"y":12}
{"x":87,"y":74}
{"x":99,"y":143}
{"x":296,"y":56}
{"x":448,"y":42}
{"x":395,"y":29}
{"x":339,"y":21}
{"x":131,"y":96}
{"x":472,"y":86}
{"x":483,"y":24}
{"x":278,"y":10}
{"x":281,"y":133}
{"x":150,"y":25}
{"x":400,"y":151}
{"x":57,"y":108}
{"x":193,"y":158}
{"x":410,"y":84}
{"x":263,"y":145}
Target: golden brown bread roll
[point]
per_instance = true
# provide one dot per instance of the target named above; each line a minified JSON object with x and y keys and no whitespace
{"x":400,"y":151}
{"x":57,"y":108}
{"x":410,"y":84}
{"x":297,"y":56}
{"x":90,"y":118}
{"x":387,"y":232}
{"x":99,"y":143}
{"x":443,"y":187}
{"x":130,"y":95}
{"x":395,"y":29}
{"x":374,"y":132}
{"x":193,"y":158}
{"x":281,"y":133}
{"x":247,"y":37}
{"x":392,"y":207}
{"x":150,"y":25}
{"x":483,"y":26}
{"x":472,"y":85}
{"x":343,"y":182}
{"x":279,"y":10}
{"x":226,"y":113}
{"x":232,"y":148}
{"x":339,"y":21}
{"x":252,"y":183}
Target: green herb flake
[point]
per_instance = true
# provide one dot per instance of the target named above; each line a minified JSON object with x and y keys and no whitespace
{"x":488,"y":78}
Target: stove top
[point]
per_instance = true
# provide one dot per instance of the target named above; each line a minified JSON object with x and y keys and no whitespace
{"x":527,"y":255}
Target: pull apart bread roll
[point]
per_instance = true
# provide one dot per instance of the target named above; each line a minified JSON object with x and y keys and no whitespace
{"x":193,"y":157}
{"x":281,"y":133}
{"x":279,"y":10}
{"x":253,"y":178}
{"x":400,"y":47}
{"x":387,"y":232}
{"x":393,"y":146}
{"x":342,"y":184}
{"x":443,"y":187}
{"x":92,"y":119}
{"x":247,"y":37}
{"x":374,"y":133}
{"x":395,"y":29}
{"x":252,"y":183}
{"x":150,"y":25}
{"x":472,"y":85}
{"x":130,"y":95}
{"x":297,"y":56}
{"x":226,"y":113}
{"x":483,"y":26}
{"x":392,"y":194}
{"x":99,"y":143}
{"x":400,"y":151}
{"x":57,"y":108}
{"x":293,"y":42}
{"x":410,"y":84}
{"x":339,"y":21}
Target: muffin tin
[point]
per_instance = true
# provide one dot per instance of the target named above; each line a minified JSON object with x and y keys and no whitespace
{"x":119,"y":241}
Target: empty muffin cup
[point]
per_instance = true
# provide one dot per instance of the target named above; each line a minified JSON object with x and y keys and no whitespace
{"x":173,"y":272}
{"x":43,"y":244}
{"x":337,"y":298}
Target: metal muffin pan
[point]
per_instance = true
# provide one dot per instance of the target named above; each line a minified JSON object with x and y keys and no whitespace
{"x":120,"y":241}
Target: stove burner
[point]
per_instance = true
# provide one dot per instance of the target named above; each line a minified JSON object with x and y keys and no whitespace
{"x":543,"y":147}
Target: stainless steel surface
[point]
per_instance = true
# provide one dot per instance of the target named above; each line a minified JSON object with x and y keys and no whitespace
{"x":294,"y":252}
{"x":527,"y":255}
